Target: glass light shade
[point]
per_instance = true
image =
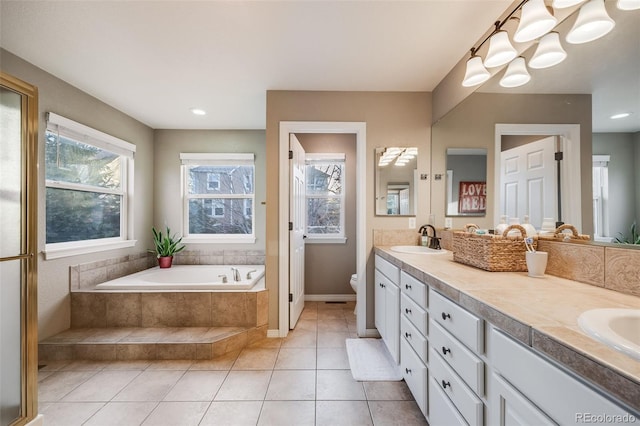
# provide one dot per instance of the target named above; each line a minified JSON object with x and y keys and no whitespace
{"x":561,"y":4}
{"x":476,"y":72}
{"x":500,"y":50}
{"x":593,"y":22}
{"x":548,"y":53}
{"x":628,"y":4}
{"x":516,"y":74}
{"x":535,"y":21}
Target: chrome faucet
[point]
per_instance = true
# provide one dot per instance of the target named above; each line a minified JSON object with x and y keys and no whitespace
{"x":249,"y":273}
{"x":236,"y":274}
{"x":224,"y":278}
{"x":434,"y":241}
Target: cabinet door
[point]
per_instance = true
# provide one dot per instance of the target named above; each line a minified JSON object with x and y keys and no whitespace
{"x":510,"y":408}
{"x":380,"y":296}
{"x":392,"y":321}
{"x":441,"y":409}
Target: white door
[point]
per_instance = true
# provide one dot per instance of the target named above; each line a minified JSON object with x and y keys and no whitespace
{"x":528,"y":177}
{"x":297,"y":219}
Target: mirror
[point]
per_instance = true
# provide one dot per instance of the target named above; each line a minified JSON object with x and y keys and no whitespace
{"x":395,"y":181}
{"x":596,"y":80}
{"x":466,"y":182}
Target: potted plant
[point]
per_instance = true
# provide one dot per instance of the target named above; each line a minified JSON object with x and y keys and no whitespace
{"x":166,"y":246}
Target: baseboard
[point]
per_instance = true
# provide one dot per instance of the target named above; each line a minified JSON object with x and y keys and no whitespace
{"x":273,"y":333}
{"x":371,"y":332}
{"x":38,"y":421}
{"x":330,"y":297}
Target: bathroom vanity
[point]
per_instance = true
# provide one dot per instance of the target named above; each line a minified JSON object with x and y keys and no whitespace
{"x":481,"y":348}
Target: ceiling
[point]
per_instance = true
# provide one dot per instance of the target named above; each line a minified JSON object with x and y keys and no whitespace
{"x":155,"y":60}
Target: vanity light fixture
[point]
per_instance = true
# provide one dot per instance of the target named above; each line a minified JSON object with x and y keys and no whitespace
{"x":621,"y":115}
{"x":198,"y":111}
{"x":549,"y":52}
{"x":501,"y":51}
{"x":628,"y":4}
{"x":516,"y":74}
{"x":593,"y":22}
{"x":476,"y":73}
{"x":535,"y":21}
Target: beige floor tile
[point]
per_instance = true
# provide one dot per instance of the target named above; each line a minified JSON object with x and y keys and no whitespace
{"x":307,"y":324}
{"x":44,"y":374}
{"x":149,"y":386}
{"x":331,"y":306}
{"x":108,"y":335}
{"x":300,"y":339}
{"x":338,"y":385}
{"x":177,"y":413}
{"x":232,"y":413}
{"x":387,"y":391}
{"x":224,"y":362}
{"x":185,"y":335}
{"x":270,"y":342}
{"x":333,"y":359}
{"x":59,"y":384}
{"x":85,"y":366}
{"x":332,"y":339}
{"x":404,"y":413}
{"x":53,"y":365}
{"x":296,"y":359}
{"x":343,"y":413}
{"x":170,"y":365}
{"x":127,"y":365}
{"x":333,"y":325}
{"x":244,"y":386}
{"x":256,"y":359}
{"x":328,"y":314}
{"x":121,"y":414}
{"x":69,"y":413}
{"x":102,"y":386}
{"x":147,"y":335}
{"x":292,"y":385}
{"x":279,"y":413}
{"x":197,"y":386}
{"x":73,"y":335}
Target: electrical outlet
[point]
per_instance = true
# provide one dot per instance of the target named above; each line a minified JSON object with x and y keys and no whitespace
{"x":448,"y":223}
{"x":412,"y":223}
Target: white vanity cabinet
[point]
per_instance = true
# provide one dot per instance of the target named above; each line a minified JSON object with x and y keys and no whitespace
{"x":456,"y":343}
{"x":528,"y":389}
{"x":414,"y":344}
{"x":387,"y":305}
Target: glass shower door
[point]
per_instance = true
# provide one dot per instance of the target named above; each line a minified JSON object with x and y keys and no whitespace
{"x":18,"y":340}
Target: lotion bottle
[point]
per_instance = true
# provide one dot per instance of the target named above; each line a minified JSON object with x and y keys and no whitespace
{"x":500,"y":227}
{"x":531,"y":230}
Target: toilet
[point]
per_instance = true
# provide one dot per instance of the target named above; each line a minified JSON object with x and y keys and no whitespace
{"x":354,"y":286}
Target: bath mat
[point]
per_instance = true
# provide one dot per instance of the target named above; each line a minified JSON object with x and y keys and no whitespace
{"x":370,"y":360}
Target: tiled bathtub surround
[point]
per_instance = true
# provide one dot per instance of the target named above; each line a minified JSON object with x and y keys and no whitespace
{"x":86,"y":276}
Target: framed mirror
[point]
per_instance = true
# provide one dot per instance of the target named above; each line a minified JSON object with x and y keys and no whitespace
{"x":466,"y":182}
{"x":395,"y":181}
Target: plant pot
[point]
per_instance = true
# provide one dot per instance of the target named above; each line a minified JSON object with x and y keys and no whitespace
{"x":165,"y":261}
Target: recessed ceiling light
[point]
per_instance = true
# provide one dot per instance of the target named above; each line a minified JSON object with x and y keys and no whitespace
{"x":621,"y":115}
{"x":198,"y":111}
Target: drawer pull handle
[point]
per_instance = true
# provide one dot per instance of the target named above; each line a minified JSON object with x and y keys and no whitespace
{"x":381,"y":285}
{"x":407,"y":335}
{"x":445,"y":350}
{"x":445,"y":384}
{"x":407,"y":286}
{"x":445,"y":316}
{"x":407,"y":370}
{"x":407,"y":310}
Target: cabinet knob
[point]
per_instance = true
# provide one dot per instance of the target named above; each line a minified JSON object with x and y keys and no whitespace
{"x":381,"y":285}
{"x":407,"y":335}
{"x":445,"y":316}
{"x":407,"y":310}
{"x":407,"y":370}
{"x":407,"y":286}
{"x":445,"y":350}
{"x":445,"y":384}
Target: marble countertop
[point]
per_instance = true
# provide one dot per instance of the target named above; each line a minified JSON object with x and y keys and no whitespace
{"x":540,"y":312}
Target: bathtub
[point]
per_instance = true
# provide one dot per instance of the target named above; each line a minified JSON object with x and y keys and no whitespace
{"x":189,"y":278}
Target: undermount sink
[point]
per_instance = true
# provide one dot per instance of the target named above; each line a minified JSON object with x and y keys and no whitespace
{"x":417,"y":250}
{"x":617,"y":328}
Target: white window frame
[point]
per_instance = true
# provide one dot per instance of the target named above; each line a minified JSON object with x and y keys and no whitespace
{"x":601,"y":214}
{"x":215,"y":159}
{"x":324,"y":158}
{"x":87,"y":135}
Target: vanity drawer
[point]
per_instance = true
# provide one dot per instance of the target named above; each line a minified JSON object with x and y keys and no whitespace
{"x":388,"y":269}
{"x":413,"y":288}
{"x":467,"y":403}
{"x":414,"y":373}
{"x":462,"y":324}
{"x":462,"y":360}
{"x":414,"y":313}
{"x":442,"y":412}
{"x":416,"y":339}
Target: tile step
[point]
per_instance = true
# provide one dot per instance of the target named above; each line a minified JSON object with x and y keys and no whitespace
{"x":140,"y":343}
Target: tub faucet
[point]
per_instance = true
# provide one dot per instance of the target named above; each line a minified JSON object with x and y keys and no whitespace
{"x":249,"y":273}
{"x":434,"y":241}
{"x":236,"y":274}
{"x":224,"y":278}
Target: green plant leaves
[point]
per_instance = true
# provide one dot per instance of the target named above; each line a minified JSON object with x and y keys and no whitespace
{"x":166,"y":245}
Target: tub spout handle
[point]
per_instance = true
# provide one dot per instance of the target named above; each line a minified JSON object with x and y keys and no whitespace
{"x":236,"y":274}
{"x":224,"y":278}
{"x":249,"y":273}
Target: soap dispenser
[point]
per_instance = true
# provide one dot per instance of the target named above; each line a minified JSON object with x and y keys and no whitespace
{"x":500,"y":227}
{"x":531,"y":230}
{"x":424,"y":238}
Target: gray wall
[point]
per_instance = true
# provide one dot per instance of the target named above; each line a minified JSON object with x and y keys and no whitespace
{"x":467,"y":168}
{"x":623,"y":178}
{"x":167,"y":191}
{"x":57,"y":96}
{"x":318,"y":278}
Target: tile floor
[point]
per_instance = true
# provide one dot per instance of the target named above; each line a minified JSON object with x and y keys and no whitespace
{"x":303,"y":379}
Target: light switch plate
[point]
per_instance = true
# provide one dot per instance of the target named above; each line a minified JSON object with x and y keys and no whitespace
{"x":448,"y":223}
{"x":412,"y":223}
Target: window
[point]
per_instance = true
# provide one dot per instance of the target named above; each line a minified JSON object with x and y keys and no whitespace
{"x":325,"y":197}
{"x":87,"y":189}
{"x":218,"y":197}
{"x":601,"y":198}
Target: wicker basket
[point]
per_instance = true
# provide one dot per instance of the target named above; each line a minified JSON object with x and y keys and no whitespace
{"x":495,"y":253}
{"x":560,"y":235}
